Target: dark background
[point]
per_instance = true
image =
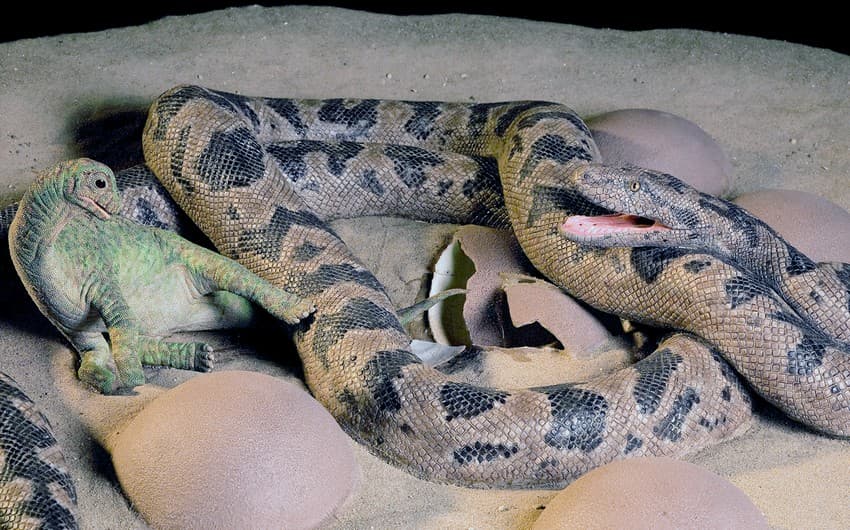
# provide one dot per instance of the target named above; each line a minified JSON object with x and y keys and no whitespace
{"x":801,"y":22}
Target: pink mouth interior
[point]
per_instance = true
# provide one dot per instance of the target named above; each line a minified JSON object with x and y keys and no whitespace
{"x":615,"y":223}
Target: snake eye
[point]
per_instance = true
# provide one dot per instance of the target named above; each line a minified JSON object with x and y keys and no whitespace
{"x":100,"y":183}
{"x":634,"y":185}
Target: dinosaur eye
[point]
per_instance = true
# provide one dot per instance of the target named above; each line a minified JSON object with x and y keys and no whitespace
{"x":100,"y":183}
{"x":634,"y":185}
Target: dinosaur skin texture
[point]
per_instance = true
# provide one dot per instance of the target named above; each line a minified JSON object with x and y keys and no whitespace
{"x":90,"y":270}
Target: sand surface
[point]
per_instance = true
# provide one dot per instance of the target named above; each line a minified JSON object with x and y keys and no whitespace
{"x":780,"y":111}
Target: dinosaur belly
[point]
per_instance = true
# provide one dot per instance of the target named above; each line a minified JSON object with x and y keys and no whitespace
{"x":166,"y":300}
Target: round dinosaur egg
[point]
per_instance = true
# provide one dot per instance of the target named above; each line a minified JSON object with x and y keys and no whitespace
{"x":664,"y":142}
{"x":235,"y":449}
{"x":651,"y":493}
{"x":820,"y":229}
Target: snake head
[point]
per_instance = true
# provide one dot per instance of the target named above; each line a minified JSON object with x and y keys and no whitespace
{"x":647,"y":209}
{"x":91,"y":186}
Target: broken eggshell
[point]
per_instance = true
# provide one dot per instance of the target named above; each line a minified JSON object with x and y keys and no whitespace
{"x":452,"y":270}
{"x":533,"y":300}
{"x":478,"y":259}
{"x":474,"y":259}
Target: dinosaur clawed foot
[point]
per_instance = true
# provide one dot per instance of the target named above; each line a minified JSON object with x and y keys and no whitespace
{"x":298,"y":312}
{"x":196,"y":356}
{"x":291,"y":309}
{"x":98,"y":370}
{"x":204,"y":358}
{"x":107,"y":371}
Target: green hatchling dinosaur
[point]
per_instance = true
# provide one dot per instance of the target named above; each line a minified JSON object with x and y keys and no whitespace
{"x":90,"y":270}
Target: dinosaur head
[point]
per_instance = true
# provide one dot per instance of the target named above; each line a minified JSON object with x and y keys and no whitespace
{"x":91,"y":186}
{"x":647,"y":209}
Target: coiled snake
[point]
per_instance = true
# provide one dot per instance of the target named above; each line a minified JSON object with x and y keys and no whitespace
{"x":263,"y":177}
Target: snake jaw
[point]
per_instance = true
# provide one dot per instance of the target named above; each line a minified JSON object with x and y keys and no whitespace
{"x":596,"y":228}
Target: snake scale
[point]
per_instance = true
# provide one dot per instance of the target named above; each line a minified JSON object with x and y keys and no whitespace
{"x":263,"y":177}
{"x":36,"y":490}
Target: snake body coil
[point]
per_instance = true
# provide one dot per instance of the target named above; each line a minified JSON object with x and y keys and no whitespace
{"x":263,"y":177}
{"x":35,"y":488}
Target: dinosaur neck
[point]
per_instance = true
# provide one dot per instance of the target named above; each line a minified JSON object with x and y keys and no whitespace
{"x":42,"y":210}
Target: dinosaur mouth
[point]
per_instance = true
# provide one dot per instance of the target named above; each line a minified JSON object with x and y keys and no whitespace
{"x":584,"y":226}
{"x":97,"y":209}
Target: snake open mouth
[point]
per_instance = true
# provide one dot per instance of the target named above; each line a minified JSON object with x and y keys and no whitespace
{"x":615,"y":223}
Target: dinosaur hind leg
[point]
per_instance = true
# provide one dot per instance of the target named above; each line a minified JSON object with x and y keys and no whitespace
{"x":97,"y":366}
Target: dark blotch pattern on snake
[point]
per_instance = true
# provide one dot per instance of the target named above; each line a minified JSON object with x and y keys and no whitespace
{"x":423,"y":160}
{"x":35,"y":488}
{"x":438,"y":162}
{"x":415,"y":161}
